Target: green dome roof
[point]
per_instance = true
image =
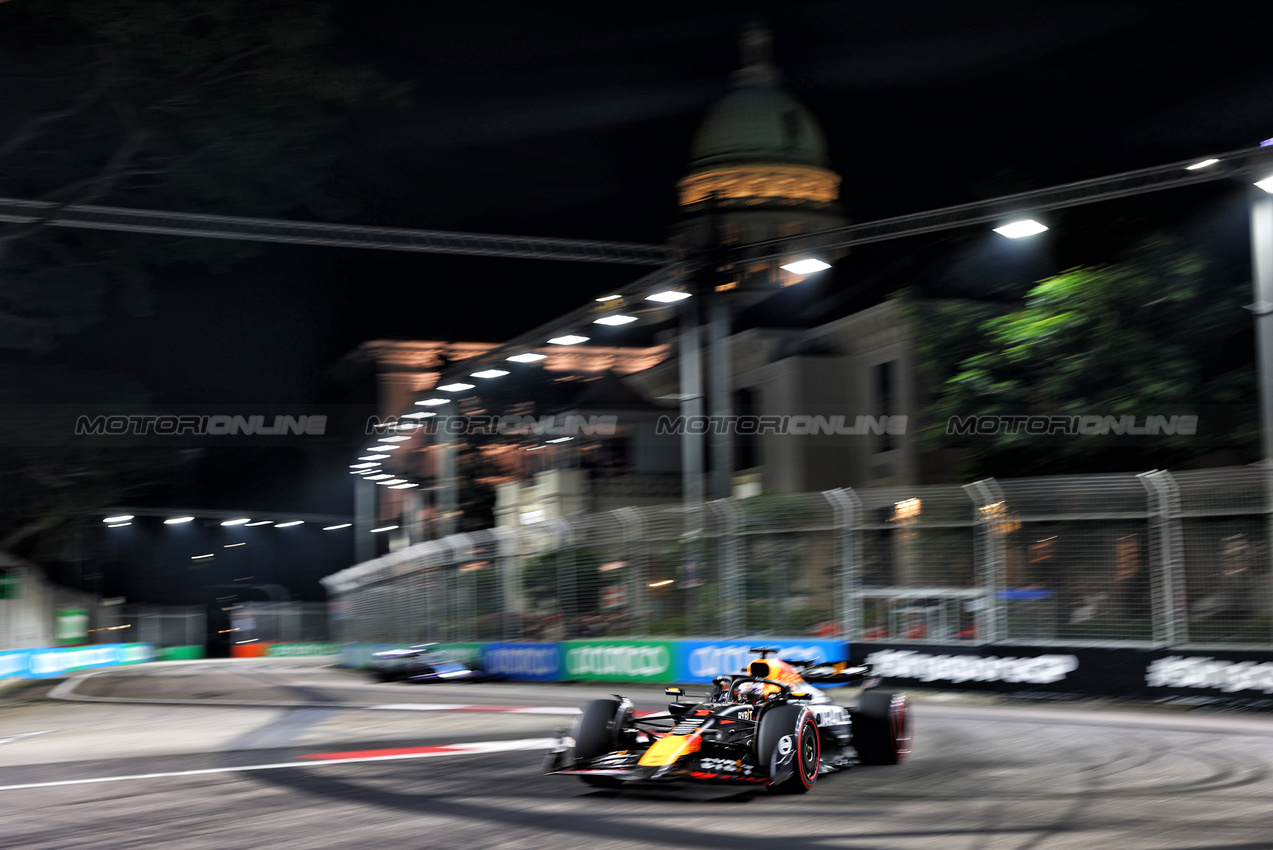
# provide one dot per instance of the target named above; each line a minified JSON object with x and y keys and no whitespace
{"x":759,"y":123}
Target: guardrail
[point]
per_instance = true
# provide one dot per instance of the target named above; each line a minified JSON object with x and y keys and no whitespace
{"x":627,"y":660}
{"x":1219,"y":676}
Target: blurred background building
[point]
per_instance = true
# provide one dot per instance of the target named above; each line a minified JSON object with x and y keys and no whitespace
{"x":758,"y":169}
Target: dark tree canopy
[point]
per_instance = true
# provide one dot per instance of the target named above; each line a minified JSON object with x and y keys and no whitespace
{"x":204,"y":106}
{"x":207,"y":106}
{"x":1164,"y":331}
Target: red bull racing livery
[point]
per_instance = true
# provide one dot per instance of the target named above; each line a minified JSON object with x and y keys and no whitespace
{"x":766,"y":726}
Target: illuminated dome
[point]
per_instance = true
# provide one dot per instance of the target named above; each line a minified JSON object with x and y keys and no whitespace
{"x":759,"y":122}
{"x":758,"y":145}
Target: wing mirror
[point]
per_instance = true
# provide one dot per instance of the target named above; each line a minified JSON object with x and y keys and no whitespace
{"x":675,"y":692}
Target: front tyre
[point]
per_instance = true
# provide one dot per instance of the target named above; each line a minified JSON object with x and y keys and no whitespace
{"x":596,"y":733}
{"x":882,"y":727}
{"x":796,"y":724}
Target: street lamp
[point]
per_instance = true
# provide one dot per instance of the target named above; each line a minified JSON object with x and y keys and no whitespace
{"x":1262,"y":272}
{"x":808,"y":265}
{"x":1018,"y":229}
{"x":668,"y":296}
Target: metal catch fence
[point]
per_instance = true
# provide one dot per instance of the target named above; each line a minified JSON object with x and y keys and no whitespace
{"x":1149,"y":559}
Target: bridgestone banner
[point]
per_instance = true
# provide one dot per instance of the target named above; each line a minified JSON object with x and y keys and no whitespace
{"x":620,"y":660}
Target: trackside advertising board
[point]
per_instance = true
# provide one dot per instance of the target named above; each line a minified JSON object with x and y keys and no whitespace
{"x":703,"y":660}
{"x":527,"y":662}
{"x":359,"y":654}
{"x":47,"y":663}
{"x":1218,"y":675}
{"x":620,"y":660}
{"x":295,"y":650}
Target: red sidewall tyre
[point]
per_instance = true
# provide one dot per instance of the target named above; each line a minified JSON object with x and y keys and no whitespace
{"x":798,"y":723}
{"x":808,"y":751}
{"x":882,"y":727}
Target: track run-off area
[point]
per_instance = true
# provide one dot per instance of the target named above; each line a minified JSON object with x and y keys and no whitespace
{"x":291,"y":753}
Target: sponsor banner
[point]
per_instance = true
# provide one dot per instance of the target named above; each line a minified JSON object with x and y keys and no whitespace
{"x":1238,"y":674}
{"x":701,"y":660}
{"x":13,"y":665}
{"x":293,"y":650}
{"x":1221,"y":675}
{"x":469,"y":654}
{"x":529,"y":662}
{"x":47,"y":663}
{"x":181,"y":653}
{"x":359,"y":655}
{"x":70,"y":626}
{"x":620,"y":660}
{"x":962,"y":668}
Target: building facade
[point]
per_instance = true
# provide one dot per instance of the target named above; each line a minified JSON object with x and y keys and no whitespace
{"x":830,"y":404}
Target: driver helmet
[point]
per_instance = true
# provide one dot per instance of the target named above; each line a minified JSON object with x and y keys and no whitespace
{"x":751,"y":692}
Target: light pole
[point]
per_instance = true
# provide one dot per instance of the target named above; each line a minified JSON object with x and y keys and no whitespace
{"x":1262,"y":276}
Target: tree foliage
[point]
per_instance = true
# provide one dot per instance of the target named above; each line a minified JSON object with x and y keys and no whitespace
{"x":209,"y":106}
{"x":1161,"y":332}
{"x":204,"y":106}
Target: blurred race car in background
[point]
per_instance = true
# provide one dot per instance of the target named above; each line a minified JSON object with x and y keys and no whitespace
{"x":766,"y":726}
{"x":422,"y":663}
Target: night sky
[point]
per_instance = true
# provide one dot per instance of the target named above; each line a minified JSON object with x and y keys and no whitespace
{"x":573,"y":120}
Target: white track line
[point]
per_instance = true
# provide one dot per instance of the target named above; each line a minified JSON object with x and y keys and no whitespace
{"x":478,"y":748}
{"x":424,"y":706}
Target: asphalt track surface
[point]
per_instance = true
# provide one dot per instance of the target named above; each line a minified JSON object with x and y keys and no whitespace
{"x":285,"y":753}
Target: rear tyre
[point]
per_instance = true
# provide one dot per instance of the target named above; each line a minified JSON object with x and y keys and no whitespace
{"x":796,"y":722}
{"x":882,"y":727}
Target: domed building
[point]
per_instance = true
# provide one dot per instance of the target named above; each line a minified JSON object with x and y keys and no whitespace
{"x":758,"y":167}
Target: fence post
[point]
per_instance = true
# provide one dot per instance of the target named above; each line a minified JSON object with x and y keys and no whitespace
{"x":567,"y":593}
{"x":847,"y":507}
{"x":633,"y":525}
{"x":991,"y":504}
{"x":1170,"y":622}
{"x":505,"y":569}
{"x":464,"y":610}
{"x":733,"y":620}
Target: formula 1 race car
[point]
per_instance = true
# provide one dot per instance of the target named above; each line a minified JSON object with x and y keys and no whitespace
{"x":767,"y":726}
{"x":422,"y":663}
